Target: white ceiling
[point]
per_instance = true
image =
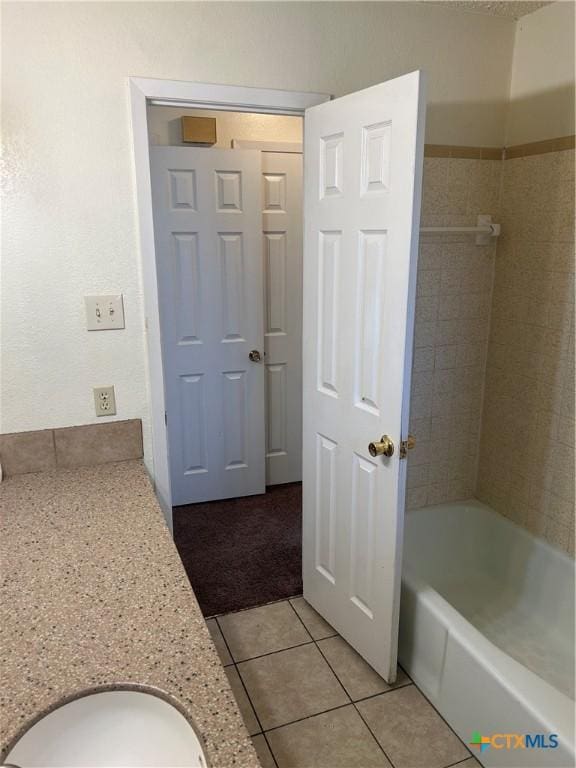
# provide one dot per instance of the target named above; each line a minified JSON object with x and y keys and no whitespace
{"x":512,"y":10}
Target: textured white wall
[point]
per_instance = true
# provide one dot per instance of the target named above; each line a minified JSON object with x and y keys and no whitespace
{"x":542,"y":88}
{"x":69,"y":212}
{"x":165,"y":127}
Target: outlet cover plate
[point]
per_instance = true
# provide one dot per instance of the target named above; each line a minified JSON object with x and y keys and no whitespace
{"x":104,"y":313}
{"x":104,"y":401}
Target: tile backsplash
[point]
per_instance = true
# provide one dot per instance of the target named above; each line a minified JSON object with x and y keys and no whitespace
{"x":23,"y":452}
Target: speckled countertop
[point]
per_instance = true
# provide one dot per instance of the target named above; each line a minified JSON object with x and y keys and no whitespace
{"x":94,"y":596}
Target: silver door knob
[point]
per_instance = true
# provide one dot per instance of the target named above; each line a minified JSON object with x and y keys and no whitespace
{"x":255,"y":356}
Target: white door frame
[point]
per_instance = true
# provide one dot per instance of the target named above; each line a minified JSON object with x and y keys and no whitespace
{"x":184,"y":94}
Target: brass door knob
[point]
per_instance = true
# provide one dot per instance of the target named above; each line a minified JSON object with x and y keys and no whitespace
{"x":255,"y":356}
{"x":385,"y":447}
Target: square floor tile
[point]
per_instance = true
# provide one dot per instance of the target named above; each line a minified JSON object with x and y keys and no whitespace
{"x":262,"y":630}
{"x":470,"y":763}
{"x":358,"y":677}
{"x":410,"y":731}
{"x":290,"y":685}
{"x":263,"y":752}
{"x":218,"y":640}
{"x":315,"y":624}
{"x":337,"y":739}
{"x":246,"y":710}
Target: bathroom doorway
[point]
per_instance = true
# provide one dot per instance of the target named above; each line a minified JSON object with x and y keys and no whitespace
{"x":228,"y":236}
{"x":362,"y":180}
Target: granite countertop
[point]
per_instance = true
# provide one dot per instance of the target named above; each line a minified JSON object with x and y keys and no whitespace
{"x":94,"y":597}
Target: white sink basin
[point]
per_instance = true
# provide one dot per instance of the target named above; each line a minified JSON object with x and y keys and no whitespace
{"x":112,"y":729}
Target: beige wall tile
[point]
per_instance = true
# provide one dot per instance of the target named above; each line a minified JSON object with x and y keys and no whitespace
{"x":416,"y":497}
{"x":526,"y":466}
{"x":417,"y":475}
{"x":423,"y":359}
{"x":494,"y":342}
{"x":452,"y":321}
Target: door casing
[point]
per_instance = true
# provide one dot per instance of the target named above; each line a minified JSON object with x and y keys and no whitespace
{"x":144,"y":91}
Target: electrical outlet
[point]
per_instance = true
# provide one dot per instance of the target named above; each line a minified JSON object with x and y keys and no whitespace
{"x":104,"y":401}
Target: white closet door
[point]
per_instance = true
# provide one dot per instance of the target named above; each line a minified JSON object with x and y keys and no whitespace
{"x":362,"y":182}
{"x":207,"y":228}
{"x":282,"y":226}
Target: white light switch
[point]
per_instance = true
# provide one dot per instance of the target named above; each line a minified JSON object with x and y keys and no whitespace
{"x":104,"y":313}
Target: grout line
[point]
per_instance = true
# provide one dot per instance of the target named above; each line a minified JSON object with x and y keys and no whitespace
{"x":383,"y":693}
{"x":355,"y":707}
{"x":271,"y":750}
{"x":272,"y":653}
{"x":261,"y":733}
{"x":252,"y":607}
{"x":375,"y":695}
{"x":242,"y":683}
{"x":308,"y":717}
{"x":301,"y":620}
{"x":441,"y":716}
{"x":225,"y":643}
{"x":462,"y":761}
{"x":386,"y":755}
{"x":331,"y":709}
{"x":334,"y":673}
{"x":327,"y":637}
{"x":316,"y":643}
{"x":364,"y":698}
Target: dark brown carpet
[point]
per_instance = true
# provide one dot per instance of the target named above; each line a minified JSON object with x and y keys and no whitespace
{"x":244,"y":552}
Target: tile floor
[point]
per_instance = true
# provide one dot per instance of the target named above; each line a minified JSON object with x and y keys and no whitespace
{"x":310,"y":701}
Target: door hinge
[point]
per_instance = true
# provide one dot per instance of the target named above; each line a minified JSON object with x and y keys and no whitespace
{"x":407,"y":445}
{"x":165,"y":418}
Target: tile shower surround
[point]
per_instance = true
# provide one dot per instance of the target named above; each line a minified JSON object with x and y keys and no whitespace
{"x":451,"y":332}
{"x":526,"y":468}
{"x":492,"y":400}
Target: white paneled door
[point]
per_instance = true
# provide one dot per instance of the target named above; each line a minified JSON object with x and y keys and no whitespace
{"x":208,"y":240}
{"x":362,"y":184}
{"x":282,"y":228}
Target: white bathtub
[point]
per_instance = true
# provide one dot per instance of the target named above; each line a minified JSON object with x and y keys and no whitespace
{"x":487,"y":629}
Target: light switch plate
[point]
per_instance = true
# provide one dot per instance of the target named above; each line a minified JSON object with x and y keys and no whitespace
{"x":104,"y":313}
{"x":104,"y":401}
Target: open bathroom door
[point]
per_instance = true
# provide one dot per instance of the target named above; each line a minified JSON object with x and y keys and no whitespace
{"x":362,"y":187}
